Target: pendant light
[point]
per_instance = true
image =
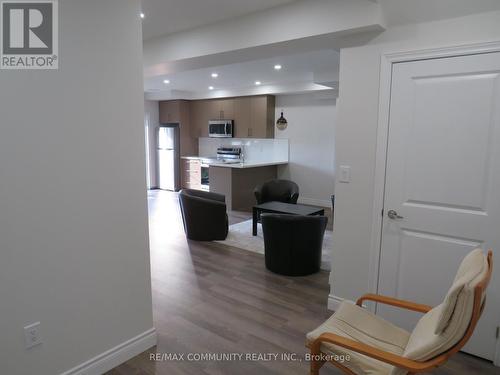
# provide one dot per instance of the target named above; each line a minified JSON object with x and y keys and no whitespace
{"x":282,"y":123}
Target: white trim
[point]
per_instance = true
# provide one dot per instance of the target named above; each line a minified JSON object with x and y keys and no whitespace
{"x":114,"y":357}
{"x":380,"y":163}
{"x":315,"y":202}
{"x":387,"y":60}
{"x":440,"y":52}
{"x":334,"y":302}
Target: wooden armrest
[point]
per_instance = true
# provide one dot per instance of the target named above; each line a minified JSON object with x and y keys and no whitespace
{"x":370,"y":351}
{"x":394,"y":302}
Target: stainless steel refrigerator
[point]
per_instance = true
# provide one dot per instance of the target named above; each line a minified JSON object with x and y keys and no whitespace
{"x":168,"y":157}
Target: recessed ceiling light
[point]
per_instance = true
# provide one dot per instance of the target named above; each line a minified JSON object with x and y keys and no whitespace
{"x":215,"y":75}
{"x":277,"y":67}
{"x":258,"y":83}
{"x":210,"y":87}
{"x":166,"y":81}
{"x":142,"y":15}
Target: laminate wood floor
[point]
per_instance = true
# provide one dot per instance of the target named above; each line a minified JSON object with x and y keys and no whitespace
{"x":208,"y":298}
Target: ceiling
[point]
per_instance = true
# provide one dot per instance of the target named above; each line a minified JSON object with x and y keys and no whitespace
{"x":398,"y":12}
{"x":299,"y":72}
{"x":170,"y":16}
{"x":302,"y":71}
{"x":164,"y":17}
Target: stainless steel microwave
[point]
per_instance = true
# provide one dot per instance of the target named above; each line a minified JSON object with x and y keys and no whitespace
{"x":220,"y":128}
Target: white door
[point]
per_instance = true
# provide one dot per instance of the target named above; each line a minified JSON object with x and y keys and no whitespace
{"x":443,"y":179}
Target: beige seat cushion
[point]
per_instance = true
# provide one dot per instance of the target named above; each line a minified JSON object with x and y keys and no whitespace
{"x":361,"y":325}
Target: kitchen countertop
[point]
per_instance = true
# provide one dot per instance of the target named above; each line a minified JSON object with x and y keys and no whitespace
{"x":247,"y":165}
{"x":235,"y":165}
{"x":191,"y":157}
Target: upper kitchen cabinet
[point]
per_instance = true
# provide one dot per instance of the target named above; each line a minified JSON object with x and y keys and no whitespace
{"x":170,"y":111}
{"x":254,"y":116}
{"x":261,"y":117}
{"x":202,"y":111}
{"x":199,"y":110}
{"x":227,"y":109}
{"x":220,"y":109}
{"x":242,"y":117}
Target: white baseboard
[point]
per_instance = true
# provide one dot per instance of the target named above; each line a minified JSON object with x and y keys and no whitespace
{"x":334,"y":302}
{"x":119,"y":354}
{"x":315,"y":202}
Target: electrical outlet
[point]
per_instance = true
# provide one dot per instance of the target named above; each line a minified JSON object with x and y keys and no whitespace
{"x":32,"y":335}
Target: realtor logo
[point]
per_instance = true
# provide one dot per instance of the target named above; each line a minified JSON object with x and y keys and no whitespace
{"x":29,"y":37}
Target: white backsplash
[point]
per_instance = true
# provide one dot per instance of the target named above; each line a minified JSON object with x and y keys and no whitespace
{"x":255,"y":150}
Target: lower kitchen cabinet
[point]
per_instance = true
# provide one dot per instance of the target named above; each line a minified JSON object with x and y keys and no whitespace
{"x":191,"y":174}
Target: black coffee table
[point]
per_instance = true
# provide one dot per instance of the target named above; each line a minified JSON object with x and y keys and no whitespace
{"x":283,"y":208}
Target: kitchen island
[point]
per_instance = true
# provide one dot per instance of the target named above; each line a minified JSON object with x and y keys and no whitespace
{"x":238,"y":180}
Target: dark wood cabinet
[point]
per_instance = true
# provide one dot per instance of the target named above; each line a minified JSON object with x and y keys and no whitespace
{"x":262,"y":110}
{"x":170,"y":111}
{"x":227,"y":109}
{"x":253,"y":115}
{"x":242,"y":116}
{"x":258,"y":117}
{"x":199,"y":122}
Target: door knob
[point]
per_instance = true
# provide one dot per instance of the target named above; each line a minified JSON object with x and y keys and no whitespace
{"x":394,"y":215}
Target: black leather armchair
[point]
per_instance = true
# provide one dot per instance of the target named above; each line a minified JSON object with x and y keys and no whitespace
{"x":277,"y":190}
{"x":204,"y":215}
{"x":293,"y":243}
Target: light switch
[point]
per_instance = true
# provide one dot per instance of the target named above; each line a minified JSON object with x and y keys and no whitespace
{"x":345,"y":174}
{"x":32,"y":335}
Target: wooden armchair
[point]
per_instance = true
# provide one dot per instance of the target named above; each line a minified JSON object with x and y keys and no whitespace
{"x":381,"y":348}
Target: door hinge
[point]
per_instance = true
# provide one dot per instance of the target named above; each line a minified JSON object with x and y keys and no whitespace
{"x":382,"y":212}
{"x":498,"y":333}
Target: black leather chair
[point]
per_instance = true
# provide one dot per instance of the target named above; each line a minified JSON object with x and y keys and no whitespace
{"x":293,"y":243}
{"x":204,"y":215}
{"x":277,"y":190}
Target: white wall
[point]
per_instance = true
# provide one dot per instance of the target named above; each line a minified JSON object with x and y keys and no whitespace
{"x":152,"y":112}
{"x":311,"y":132}
{"x":73,"y":216}
{"x":357,"y":130}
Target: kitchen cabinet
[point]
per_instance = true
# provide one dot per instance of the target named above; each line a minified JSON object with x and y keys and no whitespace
{"x":241,"y":117}
{"x":262,"y":117}
{"x":170,"y":111}
{"x":253,"y":117}
{"x":227,"y":109}
{"x":191,"y":174}
{"x":199,"y":118}
{"x":219,"y":109}
{"x":258,"y":117}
